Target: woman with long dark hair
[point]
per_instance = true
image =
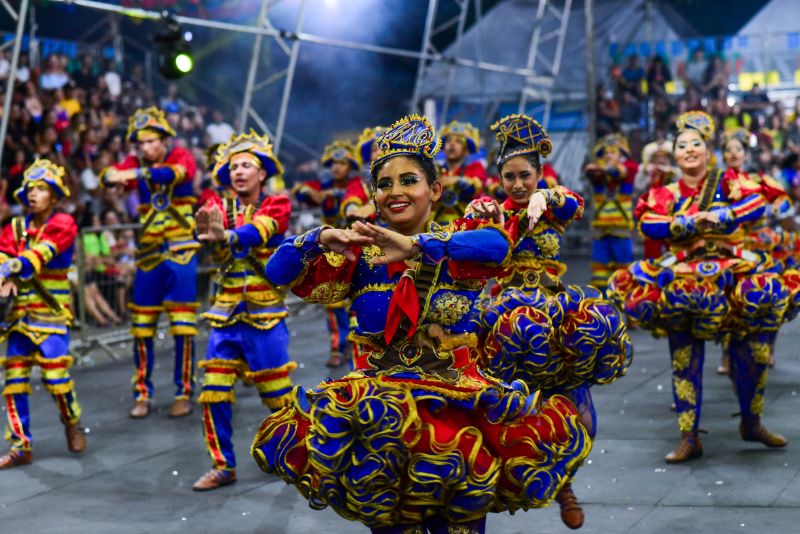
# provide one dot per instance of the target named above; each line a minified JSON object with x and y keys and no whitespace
{"x":707,"y":287}
{"x":557,"y":338}
{"x":415,"y":438}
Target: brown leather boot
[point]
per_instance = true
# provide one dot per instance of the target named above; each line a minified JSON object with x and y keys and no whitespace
{"x":689,"y":448}
{"x":140,"y":410}
{"x":216,"y":478}
{"x":760,"y":434}
{"x":76,"y":438}
{"x":181,"y":408}
{"x":571,"y":511}
{"x":15,"y":458}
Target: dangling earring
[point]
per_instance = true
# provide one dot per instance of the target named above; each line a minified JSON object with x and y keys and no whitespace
{"x":377,"y":209}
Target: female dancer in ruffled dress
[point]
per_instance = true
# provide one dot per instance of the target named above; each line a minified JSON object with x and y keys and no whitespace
{"x":415,"y":438}
{"x":707,"y":287}
{"x":773,"y":233}
{"x":561,"y":339}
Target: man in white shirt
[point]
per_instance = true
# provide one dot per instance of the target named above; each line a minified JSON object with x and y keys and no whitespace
{"x":218,"y":131}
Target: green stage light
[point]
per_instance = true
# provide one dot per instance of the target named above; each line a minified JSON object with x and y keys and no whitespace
{"x":184,"y":62}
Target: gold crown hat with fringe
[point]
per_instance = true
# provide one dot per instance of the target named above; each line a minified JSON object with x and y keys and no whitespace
{"x":699,"y":121}
{"x":251,"y":143}
{"x":365,"y":142}
{"x":42,"y":170}
{"x":340,"y":150}
{"x":612,"y":142}
{"x":471,"y":134}
{"x":520,"y":135}
{"x":149,"y":120}
{"x":661,"y":148}
{"x":413,"y":135}
{"x":741,"y":134}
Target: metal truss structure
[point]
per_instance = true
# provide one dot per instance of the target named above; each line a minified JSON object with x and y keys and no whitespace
{"x":290,"y":42}
{"x":540,"y":70}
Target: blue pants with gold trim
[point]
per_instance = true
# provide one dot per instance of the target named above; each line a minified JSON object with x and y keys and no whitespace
{"x":170,"y":287}
{"x":749,"y":363}
{"x":338,"y":327}
{"x":260,"y":355}
{"x":52,"y":356}
{"x":609,"y":253}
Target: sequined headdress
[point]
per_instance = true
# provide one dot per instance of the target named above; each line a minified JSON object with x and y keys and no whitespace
{"x":339,"y":150}
{"x":252,"y":143}
{"x":741,"y":134}
{"x":365,"y":142}
{"x":150,"y":120}
{"x":612,"y":142}
{"x":471,"y":134}
{"x":520,"y":135}
{"x":413,"y":135}
{"x":699,"y":121}
{"x":42,"y":170}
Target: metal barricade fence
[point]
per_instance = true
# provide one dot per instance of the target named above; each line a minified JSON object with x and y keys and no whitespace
{"x":110,"y":278}
{"x":104,"y":283}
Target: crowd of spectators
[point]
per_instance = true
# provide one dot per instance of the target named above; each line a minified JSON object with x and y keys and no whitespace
{"x":638,"y":103}
{"x":75,"y":113}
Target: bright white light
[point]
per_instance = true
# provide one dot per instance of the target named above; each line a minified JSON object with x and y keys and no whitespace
{"x":731,"y":101}
{"x":187,"y":36}
{"x":184,"y":63}
{"x":331,"y":3}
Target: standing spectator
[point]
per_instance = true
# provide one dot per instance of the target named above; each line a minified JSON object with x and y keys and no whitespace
{"x":23,"y":71}
{"x":658,"y":75}
{"x":218,"y":131}
{"x":608,"y":113}
{"x":113,"y":80}
{"x":5,"y":65}
{"x":755,"y":102}
{"x":715,"y":79}
{"x":54,"y":75}
{"x":84,"y":77}
{"x":696,"y":69}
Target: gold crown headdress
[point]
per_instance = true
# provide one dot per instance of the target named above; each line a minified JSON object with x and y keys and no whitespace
{"x":42,"y":170}
{"x":612,"y":142}
{"x":252,"y":143}
{"x":339,"y":150}
{"x":149,"y":119}
{"x":365,"y":142}
{"x":413,"y":135}
{"x":471,"y":134}
{"x":699,"y":121}
{"x":520,"y":135}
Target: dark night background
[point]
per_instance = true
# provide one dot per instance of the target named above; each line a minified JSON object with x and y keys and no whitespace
{"x":335,"y":90}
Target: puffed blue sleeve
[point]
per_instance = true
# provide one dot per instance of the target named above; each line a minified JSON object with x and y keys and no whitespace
{"x":484,"y":245}
{"x":290,"y":258}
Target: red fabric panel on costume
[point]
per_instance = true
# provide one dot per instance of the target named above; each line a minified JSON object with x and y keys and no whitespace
{"x":279,"y":208}
{"x":404,"y":303}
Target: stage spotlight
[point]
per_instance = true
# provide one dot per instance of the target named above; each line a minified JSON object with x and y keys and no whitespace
{"x":174,"y":52}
